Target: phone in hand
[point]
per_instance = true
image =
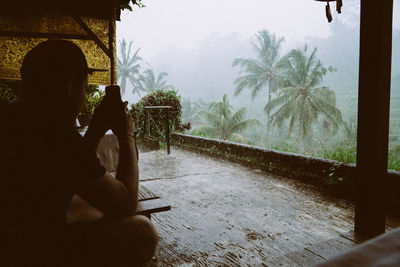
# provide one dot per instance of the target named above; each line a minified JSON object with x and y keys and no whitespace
{"x":113,"y":94}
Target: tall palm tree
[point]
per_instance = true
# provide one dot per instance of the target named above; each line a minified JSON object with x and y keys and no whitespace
{"x":262,"y":72}
{"x":148,"y":82}
{"x":128,"y":67}
{"x":301,"y":101}
{"x":222,"y":124}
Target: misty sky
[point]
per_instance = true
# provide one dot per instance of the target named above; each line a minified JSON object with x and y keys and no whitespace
{"x":185,"y":25}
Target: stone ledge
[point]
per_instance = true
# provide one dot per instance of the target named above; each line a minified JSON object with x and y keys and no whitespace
{"x":336,"y":177}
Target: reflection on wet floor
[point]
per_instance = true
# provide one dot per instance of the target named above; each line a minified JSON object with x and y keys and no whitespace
{"x":227,"y":214}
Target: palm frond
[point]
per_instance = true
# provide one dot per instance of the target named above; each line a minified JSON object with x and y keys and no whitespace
{"x":244,"y":124}
{"x":287,"y":95}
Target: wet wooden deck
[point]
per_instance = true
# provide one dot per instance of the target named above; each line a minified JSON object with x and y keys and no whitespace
{"x":225,"y":214}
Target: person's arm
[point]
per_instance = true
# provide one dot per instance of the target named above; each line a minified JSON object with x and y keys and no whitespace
{"x":109,"y":195}
{"x":128,"y":171}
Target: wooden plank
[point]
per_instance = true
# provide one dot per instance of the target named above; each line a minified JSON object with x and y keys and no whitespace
{"x":380,"y":251}
{"x":304,"y":258}
{"x":355,"y":237}
{"x":146,"y":207}
{"x":332,"y":247}
{"x":145,"y":193}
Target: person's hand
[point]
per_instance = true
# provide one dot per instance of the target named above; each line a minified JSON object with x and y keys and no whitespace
{"x":112,"y":114}
{"x":99,"y":124}
{"x":121,"y":121}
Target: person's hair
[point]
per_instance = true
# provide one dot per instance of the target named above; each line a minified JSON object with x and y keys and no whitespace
{"x":48,"y":68}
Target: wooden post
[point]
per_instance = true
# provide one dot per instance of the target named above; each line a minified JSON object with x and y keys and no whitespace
{"x":146,"y":117}
{"x":167,"y":132}
{"x":111,"y":46}
{"x":373,"y":115}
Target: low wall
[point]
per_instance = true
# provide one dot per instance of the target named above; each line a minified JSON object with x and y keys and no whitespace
{"x":335,"y":176}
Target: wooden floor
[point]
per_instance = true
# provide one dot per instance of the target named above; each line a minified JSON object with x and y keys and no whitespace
{"x":225,"y":214}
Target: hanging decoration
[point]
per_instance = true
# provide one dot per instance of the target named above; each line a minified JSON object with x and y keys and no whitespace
{"x":328,"y":12}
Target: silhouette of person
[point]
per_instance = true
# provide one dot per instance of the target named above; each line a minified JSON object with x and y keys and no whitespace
{"x":44,"y":162}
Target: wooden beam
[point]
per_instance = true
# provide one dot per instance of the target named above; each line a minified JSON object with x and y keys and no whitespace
{"x":373,"y":115}
{"x":44,"y":35}
{"x":92,"y":35}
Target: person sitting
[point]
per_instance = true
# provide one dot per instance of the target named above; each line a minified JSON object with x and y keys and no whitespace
{"x":44,"y":162}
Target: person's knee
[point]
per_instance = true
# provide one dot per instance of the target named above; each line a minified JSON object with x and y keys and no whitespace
{"x":142,"y":235}
{"x":146,"y":231}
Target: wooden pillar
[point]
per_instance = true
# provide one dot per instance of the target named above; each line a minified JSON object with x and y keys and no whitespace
{"x":373,"y":115}
{"x":111,"y":46}
{"x":167,"y":132}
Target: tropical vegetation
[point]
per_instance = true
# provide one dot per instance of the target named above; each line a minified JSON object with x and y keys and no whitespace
{"x":128,"y":66}
{"x":262,"y":72}
{"x":301,"y":100}
{"x":94,"y":95}
{"x":152,"y":122}
{"x":191,"y":109}
{"x":220,"y":121}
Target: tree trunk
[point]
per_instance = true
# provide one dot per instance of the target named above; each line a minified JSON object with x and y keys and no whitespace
{"x":268,"y":113}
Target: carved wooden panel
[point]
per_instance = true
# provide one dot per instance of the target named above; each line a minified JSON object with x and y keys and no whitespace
{"x":14,"y":49}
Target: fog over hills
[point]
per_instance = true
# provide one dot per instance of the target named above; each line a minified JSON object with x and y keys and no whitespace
{"x":198,"y":58}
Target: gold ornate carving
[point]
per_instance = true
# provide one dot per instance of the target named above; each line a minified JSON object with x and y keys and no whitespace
{"x":14,"y":49}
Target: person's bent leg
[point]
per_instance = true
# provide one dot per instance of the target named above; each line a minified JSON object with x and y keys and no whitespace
{"x":129,"y":241}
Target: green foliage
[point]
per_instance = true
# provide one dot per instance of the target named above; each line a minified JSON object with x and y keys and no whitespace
{"x":126,"y":4}
{"x":350,"y":129}
{"x":348,"y":154}
{"x":220,"y":121}
{"x":152,"y":121}
{"x":199,"y":132}
{"x":263,"y":72}
{"x":260,"y":73}
{"x":393,"y":160}
{"x":93,"y":98}
{"x":128,"y":67}
{"x":300,"y":100}
{"x":343,"y":153}
{"x":286,"y":147}
{"x":190,"y":110}
{"x":10,"y":92}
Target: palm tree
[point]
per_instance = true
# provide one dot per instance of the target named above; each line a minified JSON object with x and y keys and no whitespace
{"x":128,"y":67}
{"x":260,"y":73}
{"x":222,"y":124}
{"x":350,"y":130}
{"x":148,"y":82}
{"x":301,"y":101}
{"x":190,"y":109}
